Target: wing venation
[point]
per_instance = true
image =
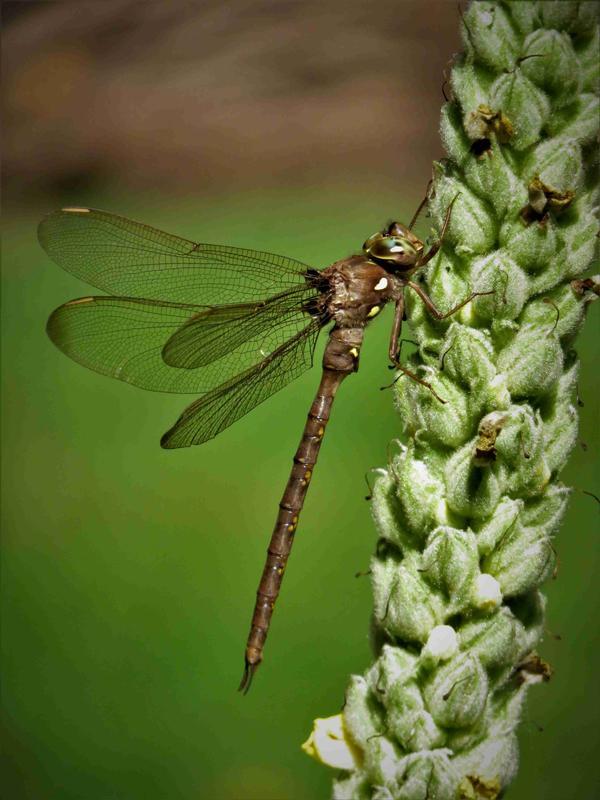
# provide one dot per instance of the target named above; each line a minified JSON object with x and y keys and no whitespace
{"x":125,"y":338}
{"x":127,"y":258}
{"x":206,"y":417}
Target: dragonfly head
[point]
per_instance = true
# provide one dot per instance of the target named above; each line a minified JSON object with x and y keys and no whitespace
{"x":395,"y":248}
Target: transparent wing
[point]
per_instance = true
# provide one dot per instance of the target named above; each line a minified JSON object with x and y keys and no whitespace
{"x":126,"y":338}
{"x":123,"y":257}
{"x":213,"y":333}
{"x":218,"y":409}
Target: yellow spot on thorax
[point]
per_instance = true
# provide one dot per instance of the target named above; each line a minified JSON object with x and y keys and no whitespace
{"x":353,"y":352}
{"x":374,"y":311}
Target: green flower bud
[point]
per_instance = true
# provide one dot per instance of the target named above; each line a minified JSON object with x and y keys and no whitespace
{"x":557,"y":15}
{"x":447,"y":281}
{"x":529,"y":610}
{"x":426,"y":772}
{"x":385,"y":508}
{"x":580,"y":242}
{"x":381,"y":793}
{"x":495,"y":640}
{"x":550,"y":277}
{"x":557,"y":162}
{"x":492,"y":764}
{"x":419,"y":490}
{"x":495,"y":395}
{"x":465,"y":357}
{"x":498,"y":272}
{"x":409,"y":721}
{"x":524,"y":16}
{"x":394,"y":667}
{"x":532,"y":363}
{"x":453,"y":137}
{"x":520,"y":446}
{"x":546,"y":512}
{"x":504,"y":517}
{"x":565,"y":305}
{"x":460,"y":739}
{"x":504,"y":440}
{"x":555,"y":67}
{"x":471,"y":490}
{"x":578,"y":121}
{"x":472,"y":228}
{"x":491,"y":175}
{"x":449,"y":421}
{"x":362,"y":715}
{"x":470,"y":87}
{"x":522,"y":560}
{"x":586,"y":23}
{"x":353,"y":786}
{"x":457,"y":692}
{"x":382,"y":760}
{"x":451,"y":564}
{"x":507,"y":707}
{"x":561,"y":424}
{"x":468,"y":356}
{"x":530,"y":246}
{"x":428,"y":333}
{"x":488,"y":34}
{"x":588,"y":60}
{"x":404,"y":604}
{"x":524,"y":104}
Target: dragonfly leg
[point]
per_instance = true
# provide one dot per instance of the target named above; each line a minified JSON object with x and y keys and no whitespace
{"x":393,"y":350}
{"x":426,"y":258}
{"x":423,"y":202}
{"x":433,"y":310}
{"x":412,"y":376}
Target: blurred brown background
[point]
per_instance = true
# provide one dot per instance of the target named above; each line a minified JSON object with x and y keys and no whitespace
{"x":193,"y":96}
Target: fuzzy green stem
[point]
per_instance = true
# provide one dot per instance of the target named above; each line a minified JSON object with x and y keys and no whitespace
{"x":467,"y":510}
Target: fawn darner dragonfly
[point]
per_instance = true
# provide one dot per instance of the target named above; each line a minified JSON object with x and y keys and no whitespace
{"x":163,"y":327}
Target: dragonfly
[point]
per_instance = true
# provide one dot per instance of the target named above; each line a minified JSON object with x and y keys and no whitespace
{"x":163,"y":325}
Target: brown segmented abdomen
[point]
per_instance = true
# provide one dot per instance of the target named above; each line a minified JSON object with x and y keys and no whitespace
{"x":340,"y":359}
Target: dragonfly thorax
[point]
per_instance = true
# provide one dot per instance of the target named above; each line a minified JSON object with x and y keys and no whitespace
{"x":358,"y":290}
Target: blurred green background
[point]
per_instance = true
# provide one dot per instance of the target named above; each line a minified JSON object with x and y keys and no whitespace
{"x":129,"y":572}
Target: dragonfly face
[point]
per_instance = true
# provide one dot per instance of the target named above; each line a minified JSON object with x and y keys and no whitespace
{"x":396,"y":247}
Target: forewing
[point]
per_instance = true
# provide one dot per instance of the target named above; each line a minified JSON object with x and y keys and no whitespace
{"x":124,"y":338}
{"x":123,"y":257}
{"x":217,"y":410}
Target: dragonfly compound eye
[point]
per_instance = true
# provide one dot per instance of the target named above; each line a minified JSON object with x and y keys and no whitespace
{"x":396,"y":250}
